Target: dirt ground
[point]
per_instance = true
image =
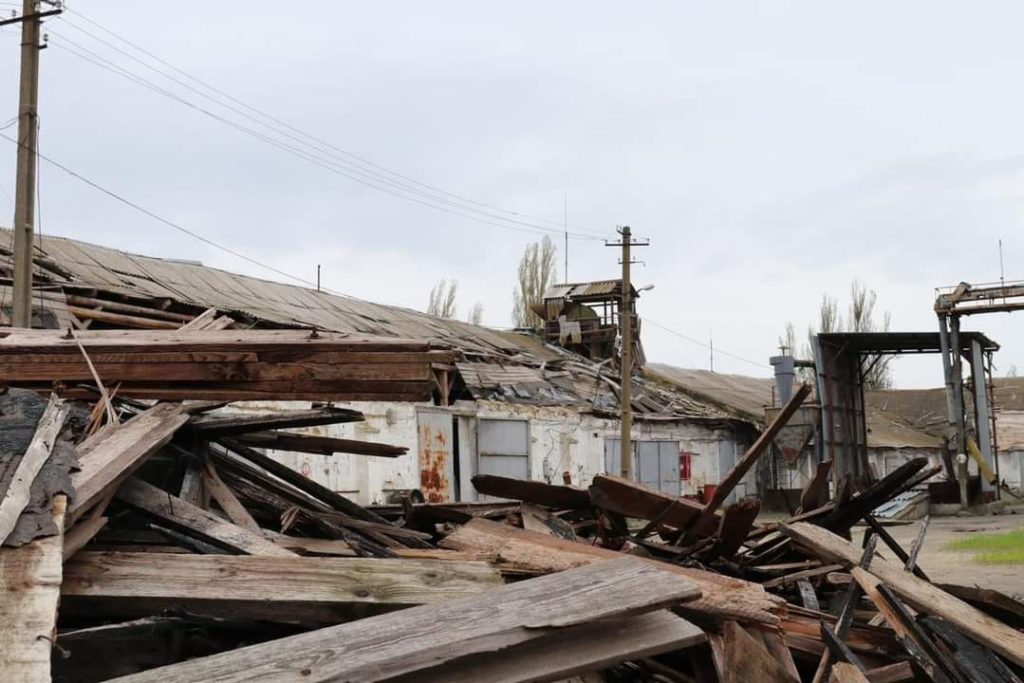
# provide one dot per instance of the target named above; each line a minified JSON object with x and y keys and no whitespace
{"x":951,"y":566}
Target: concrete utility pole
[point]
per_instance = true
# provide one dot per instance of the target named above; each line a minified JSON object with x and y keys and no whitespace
{"x":25,"y":182}
{"x":626,"y":353}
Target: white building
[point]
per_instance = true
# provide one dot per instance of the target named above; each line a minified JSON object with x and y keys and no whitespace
{"x":510,"y":405}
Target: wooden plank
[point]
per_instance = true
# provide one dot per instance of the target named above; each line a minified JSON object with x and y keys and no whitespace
{"x":816,"y":493}
{"x":743,"y":465}
{"x":899,"y":672}
{"x":304,"y":484}
{"x":227,"y":500}
{"x":922,"y":595}
{"x":200,"y":321}
{"x":777,"y":648}
{"x":411,"y":640}
{"x":120,"y":307}
{"x":633,"y":499}
{"x":229,"y":424}
{"x":323,"y":445}
{"x":122,"y":319}
{"x":745,"y":659}
{"x":737,"y":521}
{"x":255,"y":587}
{"x":536,"y":492}
{"x":893,"y":545}
{"x":17,"y":495}
{"x":519,"y":551}
{"x":30,"y":577}
{"x":79,"y":535}
{"x":142,"y":370}
{"x":182,"y":515}
{"x":842,"y":672}
{"x":571,"y":651}
{"x":844,"y":516}
{"x":115,"y":453}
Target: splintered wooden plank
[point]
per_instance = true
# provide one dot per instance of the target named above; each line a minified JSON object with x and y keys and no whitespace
{"x":633,"y":499}
{"x":924,"y":596}
{"x":112,"y":456}
{"x":521,"y":551}
{"x":264,"y":587}
{"x":423,"y":637}
{"x":141,"y":369}
{"x":229,"y":424}
{"x":30,"y":579}
{"x":743,"y":465}
{"x":227,"y":500}
{"x":536,"y":492}
{"x":17,"y":495}
{"x":746,"y":659}
{"x":182,"y":515}
{"x":324,"y":445}
{"x":571,"y":651}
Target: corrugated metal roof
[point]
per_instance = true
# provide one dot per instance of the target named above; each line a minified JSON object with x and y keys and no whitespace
{"x":499,"y":365}
{"x":574,"y":289}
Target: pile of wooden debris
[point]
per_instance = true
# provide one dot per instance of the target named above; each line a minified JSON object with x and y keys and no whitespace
{"x":178,"y":551}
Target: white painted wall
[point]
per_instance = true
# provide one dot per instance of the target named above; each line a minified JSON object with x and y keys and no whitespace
{"x":561,"y":440}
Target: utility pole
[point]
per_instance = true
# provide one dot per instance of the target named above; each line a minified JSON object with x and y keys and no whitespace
{"x":25,"y":181}
{"x":626,"y":353}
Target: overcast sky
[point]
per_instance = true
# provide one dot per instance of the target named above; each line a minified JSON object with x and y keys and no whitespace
{"x":770,"y":151}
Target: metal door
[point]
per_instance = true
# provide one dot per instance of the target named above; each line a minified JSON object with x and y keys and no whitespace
{"x":658,"y":465}
{"x":435,"y":456}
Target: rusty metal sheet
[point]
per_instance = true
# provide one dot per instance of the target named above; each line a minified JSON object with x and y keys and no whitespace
{"x":435,"y":456}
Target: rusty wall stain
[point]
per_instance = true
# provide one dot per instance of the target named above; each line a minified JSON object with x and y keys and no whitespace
{"x":434,"y":465}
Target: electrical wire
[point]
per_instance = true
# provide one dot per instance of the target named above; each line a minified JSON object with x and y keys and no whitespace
{"x":351,"y":157}
{"x":717,"y":349}
{"x":166,"y":221}
{"x":332,"y":163}
{"x":326,"y":164}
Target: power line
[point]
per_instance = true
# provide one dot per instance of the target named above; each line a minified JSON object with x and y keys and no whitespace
{"x":270,"y":117}
{"x":165,"y":221}
{"x":334,"y":163}
{"x":718,"y":349}
{"x":326,"y":164}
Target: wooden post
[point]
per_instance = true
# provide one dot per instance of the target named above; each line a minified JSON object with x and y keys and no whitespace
{"x":25,"y":180}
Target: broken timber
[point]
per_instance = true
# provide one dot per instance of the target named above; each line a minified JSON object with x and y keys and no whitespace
{"x":419,"y":638}
{"x":290,"y":589}
{"x":922,"y":595}
{"x":536,"y":492}
{"x":206,"y":526}
{"x":30,"y":577}
{"x":16,"y":497}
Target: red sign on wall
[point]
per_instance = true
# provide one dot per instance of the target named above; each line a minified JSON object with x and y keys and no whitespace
{"x":685,"y":465}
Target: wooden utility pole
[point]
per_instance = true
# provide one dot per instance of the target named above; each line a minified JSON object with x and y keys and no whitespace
{"x":626,"y":353}
{"x":25,"y":182}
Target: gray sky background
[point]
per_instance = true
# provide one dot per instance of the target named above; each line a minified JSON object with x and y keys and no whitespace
{"x":771,"y":151}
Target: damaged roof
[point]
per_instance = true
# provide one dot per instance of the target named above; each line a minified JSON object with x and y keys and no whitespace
{"x":494,"y":364}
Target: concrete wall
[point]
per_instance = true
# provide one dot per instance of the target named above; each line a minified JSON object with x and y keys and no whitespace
{"x":561,"y":440}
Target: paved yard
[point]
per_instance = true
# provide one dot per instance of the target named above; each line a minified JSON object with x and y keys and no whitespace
{"x":944,"y":565}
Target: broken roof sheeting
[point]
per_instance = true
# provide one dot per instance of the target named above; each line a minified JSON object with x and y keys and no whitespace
{"x":580,"y":289}
{"x":527,"y":370}
{"x":284,"y":304}
{"x":744,"y":396}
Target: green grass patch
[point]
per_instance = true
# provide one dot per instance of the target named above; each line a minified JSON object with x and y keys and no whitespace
{"x":1003,"y":548}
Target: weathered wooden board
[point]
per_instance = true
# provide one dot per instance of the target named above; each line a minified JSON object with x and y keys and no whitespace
{"x":571,"y":651}
{"x":262,"y":587}
{"x":423,"y":637}
{"x":922,"y":595}
{"x":227,"y":424}
{"x":180,"y":514}
{"x":746,"y":659}
{"x":16,"y":497}
{"x":633,"y":499}
{"x":116,"y":452}
{"x":536,"y":492}
{"x":30,"y":579}
{"x":519,"y":550}
{"x":323,"y":445}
